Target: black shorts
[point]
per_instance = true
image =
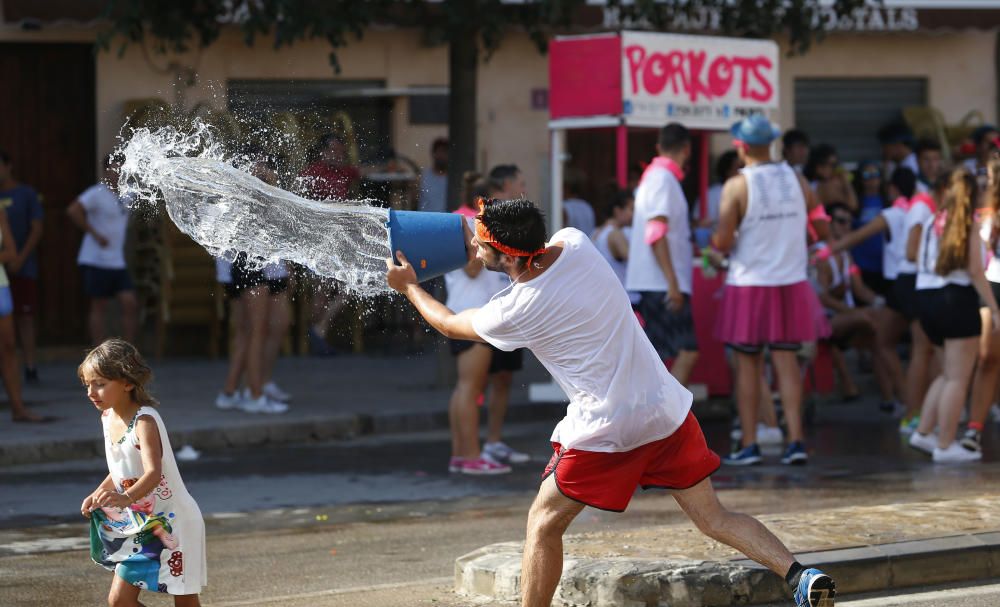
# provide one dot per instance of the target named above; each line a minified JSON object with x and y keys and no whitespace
{"x":876,"y":282}
{"x":101,"y":283}
{"x":277,"y":286}
{"x":905,"y":288}
{"x":245,"y":276}
{"x":500,"y":361}
{"x":890,"y":294}
{"x":669,"y":332}
{"x":951,"y":312}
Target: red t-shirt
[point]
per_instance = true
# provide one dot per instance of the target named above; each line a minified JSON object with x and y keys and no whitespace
{"x":325,"y":182}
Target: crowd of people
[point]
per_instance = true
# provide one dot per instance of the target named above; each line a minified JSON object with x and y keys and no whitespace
{"x":820,"y":257}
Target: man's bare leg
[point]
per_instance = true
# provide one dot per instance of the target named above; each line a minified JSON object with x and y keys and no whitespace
{"x":541,"y":565}
{"x":740,"y":531}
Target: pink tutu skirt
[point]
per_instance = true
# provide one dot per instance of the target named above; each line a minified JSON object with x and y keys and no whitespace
{"x":762,"y":315}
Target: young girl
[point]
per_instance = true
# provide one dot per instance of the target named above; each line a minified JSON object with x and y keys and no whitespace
{"x":144,"y":524}
{"x":949,"y":278}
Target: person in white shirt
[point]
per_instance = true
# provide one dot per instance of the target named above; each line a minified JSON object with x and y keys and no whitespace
{"x":577,"y":212}
{"x":768,"y":301}
{"x":950,"y":284}
{"x":103,"y":217}
{"x":612,"y":238}
{"x":984,"y":383}
{"x":890,"y":322}
{"x":628,"y":422}
{"x":434,"y":180}
{"x":661,"y":255}
{"x":930,"y":162}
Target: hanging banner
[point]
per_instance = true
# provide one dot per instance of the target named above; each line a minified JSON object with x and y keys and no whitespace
{"x":701,"y":81}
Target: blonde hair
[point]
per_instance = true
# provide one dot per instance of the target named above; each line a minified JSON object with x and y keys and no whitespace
{"x":118,"y":360}
{"x":953,"y":250}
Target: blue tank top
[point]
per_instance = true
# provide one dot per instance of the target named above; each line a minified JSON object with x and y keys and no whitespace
{"x":868,"y":254}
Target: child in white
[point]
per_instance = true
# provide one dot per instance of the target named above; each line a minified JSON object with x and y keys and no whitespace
{"x":144,"y":524}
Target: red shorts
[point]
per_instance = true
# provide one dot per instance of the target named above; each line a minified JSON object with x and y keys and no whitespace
{"x":608,"y":480}
{"x":24,"y":292}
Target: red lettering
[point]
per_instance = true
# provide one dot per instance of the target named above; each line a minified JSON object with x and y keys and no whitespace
{"x":760,"y":64}
{"x":675,"y":70}
{"x":635,"y":55}
{"x":654,"y":75}
{"x":690,"y":74}
{"x":696,"y":63}
{"x":720,"y":76}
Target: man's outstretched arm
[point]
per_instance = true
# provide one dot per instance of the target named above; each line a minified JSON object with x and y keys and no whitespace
{"x":403,"y":279}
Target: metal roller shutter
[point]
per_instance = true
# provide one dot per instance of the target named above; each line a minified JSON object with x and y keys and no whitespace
{"x":848,"y":112}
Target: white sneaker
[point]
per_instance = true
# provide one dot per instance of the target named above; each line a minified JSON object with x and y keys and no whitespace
{"x":187,"y":453}
{"x":924,"y":442}
{"x":955,"y":454}
{"x":769,"y":435}
{"x":272,"y":391}
{"x":264,"y":405}
{"x":766,"y":435}
{"x":229,"y":401}
{"x":501,"y":453}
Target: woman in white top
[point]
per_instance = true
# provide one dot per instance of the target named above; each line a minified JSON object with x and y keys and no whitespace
{"x":949,"y":278}
{"x":984,"y":384}
{"x":890,"y":323}
{"x":612,"y":238}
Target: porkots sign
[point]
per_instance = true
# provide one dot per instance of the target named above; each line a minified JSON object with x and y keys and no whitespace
{"x":700,"y":81}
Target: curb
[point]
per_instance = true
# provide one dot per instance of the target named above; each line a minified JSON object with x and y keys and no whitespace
{"x":495,"y":571}
{"x":255,"y":434}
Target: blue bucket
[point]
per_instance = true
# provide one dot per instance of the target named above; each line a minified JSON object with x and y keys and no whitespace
{"x":434,"y":243}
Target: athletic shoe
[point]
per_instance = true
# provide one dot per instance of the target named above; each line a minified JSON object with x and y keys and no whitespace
{"x":956,"y":454}
{"x":229,"y":401}
{"x":816,"y":589}
{"x":908,"y":425}
{"x":263,"y":404}
{"x":272,"y":391}
{"x":795,"y":454}
{"x":747,"y":456}
{"x":766,"y":435}
{"x":455,"y":464}
{"x":972,"y":440}
{"x":926,"y":443}
{"x":501,"y":453}
{"x":482,"y":466}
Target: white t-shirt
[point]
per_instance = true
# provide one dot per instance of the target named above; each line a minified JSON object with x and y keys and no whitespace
{"x":992,"y":258}
{"x":915,"y":216}
{"x":600,"y":238}
{"x":108,"y":215}
{"x":927,"y":256}
{"x":580,"y":215}
{"x":433,"y":191}
{"x":659,"y":195}
{"x":894,"y":249}
{"x":223,"y":271}
{"x":466,"y":292}
{"x":576,"y":319}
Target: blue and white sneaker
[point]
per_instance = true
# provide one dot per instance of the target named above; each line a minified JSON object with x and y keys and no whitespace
{"x":816,"y":589}
{"x":795,"y":454}
{"x":747,"y":456}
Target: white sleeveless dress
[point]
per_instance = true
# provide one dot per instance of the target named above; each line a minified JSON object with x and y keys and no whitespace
{"x":158,"y":543}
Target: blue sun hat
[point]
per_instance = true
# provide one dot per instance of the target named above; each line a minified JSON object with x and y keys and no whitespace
{"x":755,"y":130}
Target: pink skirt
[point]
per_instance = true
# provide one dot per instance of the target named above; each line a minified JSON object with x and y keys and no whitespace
{"x":762,"y":315}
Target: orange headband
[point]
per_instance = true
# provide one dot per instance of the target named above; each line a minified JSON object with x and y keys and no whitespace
{"x":484,"y":236}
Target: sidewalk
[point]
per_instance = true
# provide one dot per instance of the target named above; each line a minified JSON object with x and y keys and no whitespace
{"x":864,"y":548}
{"x":333,"y":397}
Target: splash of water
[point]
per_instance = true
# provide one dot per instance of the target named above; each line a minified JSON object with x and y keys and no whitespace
{"x":227,"y":210}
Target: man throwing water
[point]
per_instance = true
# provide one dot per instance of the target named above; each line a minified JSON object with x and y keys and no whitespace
{"x":628,"y":423}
